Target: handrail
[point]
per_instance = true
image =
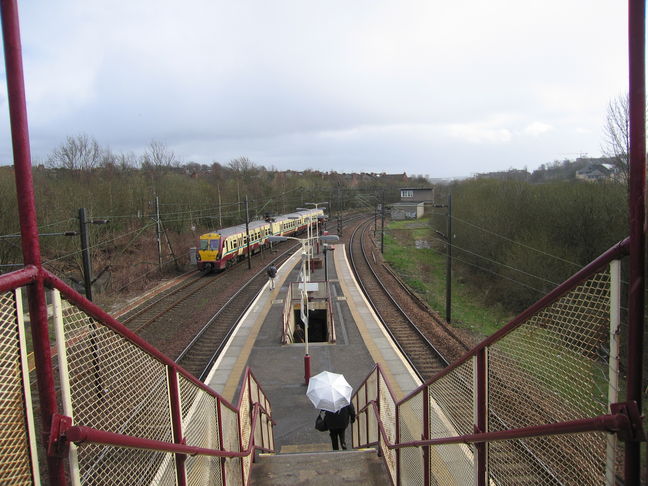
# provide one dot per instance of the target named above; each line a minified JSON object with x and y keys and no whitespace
{"x":18,"y":278}
{"x":601,"y":423}
{"x":80,"y":434}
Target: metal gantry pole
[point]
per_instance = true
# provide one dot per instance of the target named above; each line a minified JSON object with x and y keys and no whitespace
{"x":382,"y":224}
{"x":449,"y":263}
{"x":85,"y":253}
{"x":158,"y":232}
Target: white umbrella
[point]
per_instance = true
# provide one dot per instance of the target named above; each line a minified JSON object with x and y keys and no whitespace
{"x":329,"y":391}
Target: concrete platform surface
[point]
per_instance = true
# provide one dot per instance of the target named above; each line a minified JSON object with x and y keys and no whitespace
{"x":361,"y":342}
{"x":320,"y":468}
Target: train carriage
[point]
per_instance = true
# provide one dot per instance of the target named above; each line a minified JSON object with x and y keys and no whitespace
{"x":222,"y":248}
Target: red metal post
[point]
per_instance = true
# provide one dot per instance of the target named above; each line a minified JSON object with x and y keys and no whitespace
{"x":221,"y":441}
{"x":29,"y":225}
{"x":637,"y":193}
{"x":176,"y":418}
{"x":426,"y":435}
{"x":481,"y":416}
{"x":307,"y":368}
{"x":398,"y":452}
{"x":366,"y":414}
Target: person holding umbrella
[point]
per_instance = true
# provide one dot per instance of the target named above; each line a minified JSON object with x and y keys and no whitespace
{"x":337,"y":422}
{"x":331,"y":393}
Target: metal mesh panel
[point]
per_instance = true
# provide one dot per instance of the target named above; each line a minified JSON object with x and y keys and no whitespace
{"x":245,"y":424}
{"x":263,"y":432}
{"x":372,"y":394}
{"x":117,"y":387}
{"x":451,"y":464}
{"x":451,"y":403}
{"x":14,"y":441}
{"x":553,"y":368}
{"x":388,"y":418}
{"x":200,"y":429}
{"x":231,"y":442}
{"x":576,"y":470}
{"x":410,"y":421}
{"x":127,"y":467}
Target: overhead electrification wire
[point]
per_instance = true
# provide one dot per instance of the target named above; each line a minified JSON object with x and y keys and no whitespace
{"x":515,"y":242}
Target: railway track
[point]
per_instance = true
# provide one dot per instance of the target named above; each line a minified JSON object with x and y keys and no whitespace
{"x":422,"y":354}
{"x":145,"y":314}
{"x":201,"y":352}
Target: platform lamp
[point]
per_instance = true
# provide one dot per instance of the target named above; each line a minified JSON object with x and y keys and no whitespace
{"x":304,"y":292}
{"x":317,"y":205}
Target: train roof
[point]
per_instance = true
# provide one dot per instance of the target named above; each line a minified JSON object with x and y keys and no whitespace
{"x":240,"y":228}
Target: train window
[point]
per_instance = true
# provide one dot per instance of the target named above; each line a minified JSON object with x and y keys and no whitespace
{"x":213,"y":244}
{"x":204,"y":244}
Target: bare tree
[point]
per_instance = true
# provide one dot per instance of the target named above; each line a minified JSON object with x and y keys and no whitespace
{"x":617,"y":135}
{"x":77,"y":153}
{"x":241,"y":165}
{"x":158,"y":156}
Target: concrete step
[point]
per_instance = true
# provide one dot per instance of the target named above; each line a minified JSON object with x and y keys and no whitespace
{"x":319,"y":469}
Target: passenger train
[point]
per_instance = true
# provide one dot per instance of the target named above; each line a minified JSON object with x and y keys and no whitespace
{"x":222,"y":248}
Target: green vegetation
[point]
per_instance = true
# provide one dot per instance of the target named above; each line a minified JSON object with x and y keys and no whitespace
{"x":513,"y":242}
{"x":424,"y":270}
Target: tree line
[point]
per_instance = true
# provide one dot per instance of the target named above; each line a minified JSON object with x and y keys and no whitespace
{"x":514,"y":241}
{"x":131,"y":191}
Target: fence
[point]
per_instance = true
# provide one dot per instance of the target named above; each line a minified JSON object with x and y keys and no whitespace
{"x":537,"y":403}
{"x":129,"y":414}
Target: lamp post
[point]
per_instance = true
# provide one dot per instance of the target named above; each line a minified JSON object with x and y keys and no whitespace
{"x":304,"y":291}
{"x":317,"y":205}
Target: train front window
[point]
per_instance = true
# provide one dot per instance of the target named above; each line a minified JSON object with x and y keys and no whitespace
{"x":213,"y":244}
{"x":204,"y":244}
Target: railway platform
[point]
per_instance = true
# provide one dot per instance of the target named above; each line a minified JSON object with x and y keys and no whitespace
{"x":361,"y":343}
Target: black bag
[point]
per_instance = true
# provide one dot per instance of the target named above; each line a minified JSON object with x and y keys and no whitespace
{"x":320,"y":424}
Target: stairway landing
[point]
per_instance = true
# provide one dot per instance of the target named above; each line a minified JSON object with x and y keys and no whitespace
{"x":320,"y":469}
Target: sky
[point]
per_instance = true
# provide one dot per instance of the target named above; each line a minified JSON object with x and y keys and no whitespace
{"x":441,"y":89}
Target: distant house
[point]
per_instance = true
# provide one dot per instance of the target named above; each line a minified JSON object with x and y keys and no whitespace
{"x":417,"y":194}
{"x":412,"y":203}
{"x":594,"y":172}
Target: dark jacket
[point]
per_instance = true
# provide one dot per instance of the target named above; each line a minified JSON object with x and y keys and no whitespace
{"x":272,"y":271}
{"x":340,"y":419}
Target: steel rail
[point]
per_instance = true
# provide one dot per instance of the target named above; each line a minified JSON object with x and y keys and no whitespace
{"x":160,"y":297}
{"x":425,"y":308}
{"x":418,"y":333}
{"x":223,"y":309}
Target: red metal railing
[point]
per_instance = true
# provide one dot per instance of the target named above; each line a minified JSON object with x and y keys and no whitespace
{"x":118,"y":392}
{"x":528,"y":405}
